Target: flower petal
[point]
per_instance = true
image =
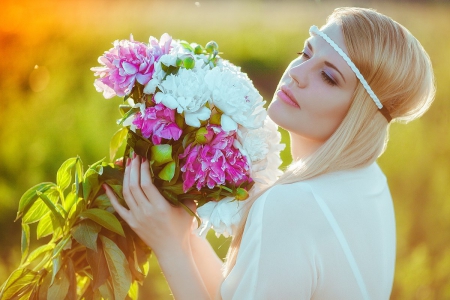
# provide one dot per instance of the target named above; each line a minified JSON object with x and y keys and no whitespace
{"x":227,"y":123}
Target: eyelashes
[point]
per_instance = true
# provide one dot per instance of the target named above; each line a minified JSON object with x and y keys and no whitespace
{"x":325,"y":77}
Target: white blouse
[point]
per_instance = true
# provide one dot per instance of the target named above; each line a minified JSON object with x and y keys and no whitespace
{"x":330,"y":237}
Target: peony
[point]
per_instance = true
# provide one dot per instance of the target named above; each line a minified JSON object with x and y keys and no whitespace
{"x":127,"y":62}
{"x":233,"y":93}
{"x":215,"y":163}
{"x":158,"y":122}
{"x":187,"y":93}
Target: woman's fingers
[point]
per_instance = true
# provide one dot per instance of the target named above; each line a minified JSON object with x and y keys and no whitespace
{"x":149,"y":189}
{"x":122,"y":211}
{"x":135,"y":182}
{"x":126,"y":191}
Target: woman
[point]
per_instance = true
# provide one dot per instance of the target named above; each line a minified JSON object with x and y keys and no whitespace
{"x":326,"y":229}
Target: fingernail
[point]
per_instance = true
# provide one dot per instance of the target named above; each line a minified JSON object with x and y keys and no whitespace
{"x":144,"y":159}
{"x":104,"y":187}
{"x":128,"y":162}
{"x":134,"y":155}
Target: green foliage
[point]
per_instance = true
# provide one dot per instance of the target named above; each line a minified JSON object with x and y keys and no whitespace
{"x":89,"y":255}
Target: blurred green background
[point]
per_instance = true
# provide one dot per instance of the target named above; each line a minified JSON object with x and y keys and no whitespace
{"x":50,"y":111}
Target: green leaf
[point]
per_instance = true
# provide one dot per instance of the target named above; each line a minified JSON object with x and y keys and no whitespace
{"x":111,"y":173}
{"x":43,"y":289}
{"x":102,"y":202}
{"x":117,"y":140}
{"x":45,"y":226}
{"x":78,"y":175}
{"x":38,"y":210}
{"x":104,"y":218}
{"x":106,"y":290}
{"x":75,"y":211}
{"x":60,"y":246}
{"x":18,"y":279}
{"x":70,"y":200}
{"x":39,"y":251}
{"x":86,"y":233}
{"x":186,"y":46}
{"x":52,"y":208}
{"x":118,"y":268}
{"x":168,"y":171}
{"x":99,"y":266}
{"x":58,"y":290}
{"x":161,"y":154}
{"x":25,"y":242}
{"x":29,"y":197}
{"x":64,"y":174}
{"x":56,"y":266}
{"x":128,"y":114}
{"x":91,"y":180}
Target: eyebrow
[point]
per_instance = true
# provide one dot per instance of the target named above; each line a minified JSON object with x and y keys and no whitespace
{"x":327,"y":63}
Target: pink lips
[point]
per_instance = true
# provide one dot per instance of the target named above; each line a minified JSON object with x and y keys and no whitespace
{"x":285,"y":94}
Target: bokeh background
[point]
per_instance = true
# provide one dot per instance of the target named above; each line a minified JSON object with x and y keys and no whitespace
{"x":50,"y":111}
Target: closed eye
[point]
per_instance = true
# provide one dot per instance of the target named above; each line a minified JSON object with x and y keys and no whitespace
{"x":327,"y":79}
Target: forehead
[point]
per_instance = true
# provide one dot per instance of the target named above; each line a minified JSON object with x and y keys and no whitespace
{"x":323,"y":49}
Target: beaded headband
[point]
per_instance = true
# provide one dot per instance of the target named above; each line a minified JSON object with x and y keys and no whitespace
{"x":358,"y":74}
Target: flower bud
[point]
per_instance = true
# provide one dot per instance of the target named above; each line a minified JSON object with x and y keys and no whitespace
{"x":204,"y":135}
{"x":189,"y":62}
{"x":241,"y":194}
{"x":211,"y":47}
{"x":198,"y":49}
{"x":179,"y":62}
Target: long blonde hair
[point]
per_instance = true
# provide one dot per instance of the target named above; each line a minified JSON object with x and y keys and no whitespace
{"x":398,"y":70}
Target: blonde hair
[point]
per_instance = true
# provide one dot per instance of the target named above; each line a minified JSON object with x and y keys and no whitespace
{"x":398,"y":70}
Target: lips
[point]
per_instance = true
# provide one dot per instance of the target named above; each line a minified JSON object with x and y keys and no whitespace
{"x":286,"y":95}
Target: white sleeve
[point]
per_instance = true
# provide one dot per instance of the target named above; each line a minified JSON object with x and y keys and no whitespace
{"x":278,"y":254}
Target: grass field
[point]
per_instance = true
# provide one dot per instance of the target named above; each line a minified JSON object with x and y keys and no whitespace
{"x":50,"y":111}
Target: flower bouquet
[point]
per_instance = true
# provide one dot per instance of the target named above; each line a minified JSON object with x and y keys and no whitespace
{"x":201,"y":124}
{"x":197,"y":118}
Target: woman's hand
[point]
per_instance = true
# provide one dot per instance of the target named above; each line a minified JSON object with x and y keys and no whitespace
{"x":163,"y":227}
{"x":159,"y":224}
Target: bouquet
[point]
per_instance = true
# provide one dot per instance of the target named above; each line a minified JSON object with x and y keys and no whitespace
{"x":201,"y":124}
{"x":197,"y":118}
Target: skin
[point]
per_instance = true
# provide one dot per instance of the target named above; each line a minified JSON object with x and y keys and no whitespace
{"x":323,"y":95}
{"x":190,"y":265}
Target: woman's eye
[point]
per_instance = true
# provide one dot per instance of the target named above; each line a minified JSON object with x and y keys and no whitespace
{"x":327,"y":79}
{"x":303,"y":54}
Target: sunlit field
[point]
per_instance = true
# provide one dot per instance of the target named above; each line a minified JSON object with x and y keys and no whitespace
{"x":50,"y":111}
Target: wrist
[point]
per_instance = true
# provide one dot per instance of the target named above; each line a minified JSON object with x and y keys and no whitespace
{"x":172,"y":249}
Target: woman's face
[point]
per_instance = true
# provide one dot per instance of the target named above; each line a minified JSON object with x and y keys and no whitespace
{"x":314,"y":94}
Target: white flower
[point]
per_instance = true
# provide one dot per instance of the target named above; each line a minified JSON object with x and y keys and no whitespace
{"x":186,"y":92}
{"x":234,"y":94}
{"x":168,"y":60}
{"x":264,"y":170}
{"x":223,"y":216}
{"x":157,"y":77}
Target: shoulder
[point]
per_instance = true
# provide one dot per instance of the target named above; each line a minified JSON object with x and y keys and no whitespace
{"x":290,"y":208}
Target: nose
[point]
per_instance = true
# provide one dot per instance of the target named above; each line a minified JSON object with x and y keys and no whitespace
{"x":298,"y":71}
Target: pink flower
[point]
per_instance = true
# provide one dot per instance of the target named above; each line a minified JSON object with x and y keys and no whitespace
{"x":158,"y":122}
{"x":216,"y":163}
{"x":127,"y":62}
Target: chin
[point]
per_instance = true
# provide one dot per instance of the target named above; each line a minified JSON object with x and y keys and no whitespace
{"x":277,"y":112}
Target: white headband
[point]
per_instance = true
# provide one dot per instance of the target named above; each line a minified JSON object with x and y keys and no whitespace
{"x":358,"y":74}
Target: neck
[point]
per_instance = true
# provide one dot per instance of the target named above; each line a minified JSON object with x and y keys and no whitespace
{"x":302,"y":147}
